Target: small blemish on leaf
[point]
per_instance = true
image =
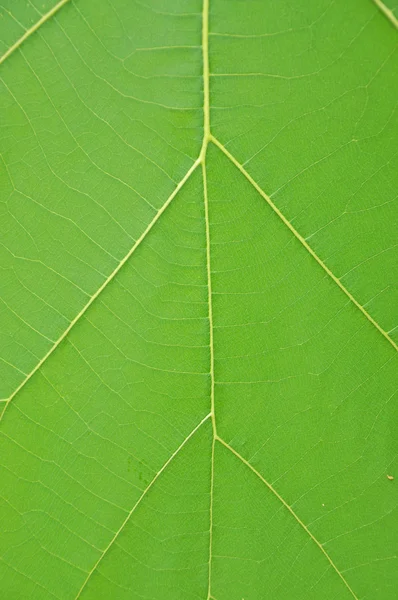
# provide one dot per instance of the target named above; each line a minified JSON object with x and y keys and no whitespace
{"x":390,"y":477}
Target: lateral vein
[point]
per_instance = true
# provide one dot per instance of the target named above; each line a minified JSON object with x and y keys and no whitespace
{"x":387,"y":12}
{"x":106,"y":282}
{"x":32,"y":29}
{"x":289,"y":508}
{"x":302,"y":240}
{"x":144,"y":493}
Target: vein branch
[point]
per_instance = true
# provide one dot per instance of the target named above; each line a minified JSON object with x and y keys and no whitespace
{"x":32,"y":29}
{"x":144,"y":493}
{"x":105,"y":283}
{"x":303,"y":241}
{"x":289,"y":508}
{"x":387,"y":12}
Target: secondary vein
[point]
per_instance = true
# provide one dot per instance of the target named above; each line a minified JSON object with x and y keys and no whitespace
{"x":32,"y":29}
{"x":289,"y":508}
{"x":144,"y":493}
{"x":387,"y":12}
{"x":106,"y":282}
{"x":303,"y":241}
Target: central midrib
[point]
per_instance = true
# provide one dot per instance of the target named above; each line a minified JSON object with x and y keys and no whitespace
{"x":208,"y":137}
{"x":203,"y":153}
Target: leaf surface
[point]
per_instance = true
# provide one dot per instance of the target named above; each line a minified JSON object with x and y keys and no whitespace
{"x":198,"y":300}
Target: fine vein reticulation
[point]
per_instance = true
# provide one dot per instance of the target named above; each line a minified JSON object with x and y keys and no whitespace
{"x":106,"y":282}
{"x":144,"y":493}
{"x":201,"y":160}
{"x":32,"y":30}
{"x":200,"y":163}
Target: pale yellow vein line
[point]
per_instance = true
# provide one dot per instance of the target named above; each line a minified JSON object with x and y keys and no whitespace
{"x":211,"y":512}
{"x":289,"y":508}
{"x":302,"y":240}
{"x":211,"y":344}
{"x":34,"y":28}
{"x":144,"y":493}
{"x":107,"y":280}
{"x":206,"y":86}
{"x":388,"y":13}
{"x":209,"y":293}
{"x":206,"y":137}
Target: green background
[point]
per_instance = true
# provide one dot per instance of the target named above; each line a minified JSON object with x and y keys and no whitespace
{"x":198,"y":334}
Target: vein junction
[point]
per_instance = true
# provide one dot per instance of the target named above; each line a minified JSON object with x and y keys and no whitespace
{"x":200,"y":162}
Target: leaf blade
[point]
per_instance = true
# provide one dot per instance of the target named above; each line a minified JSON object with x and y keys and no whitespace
{"x":217,"y":419}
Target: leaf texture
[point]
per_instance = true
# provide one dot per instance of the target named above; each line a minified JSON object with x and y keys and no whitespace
{"x":198,"y":300}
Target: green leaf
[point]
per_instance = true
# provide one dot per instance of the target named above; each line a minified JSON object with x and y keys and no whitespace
{"x":198,"y":364}
{"x":390,"y":9}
